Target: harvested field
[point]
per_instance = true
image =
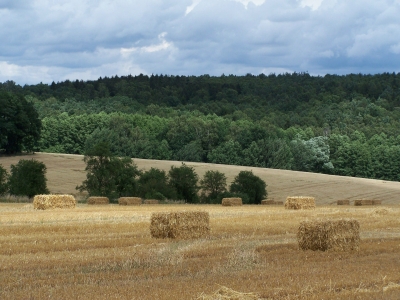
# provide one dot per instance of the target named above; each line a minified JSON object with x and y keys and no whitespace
{"x":107,"y":252}
{"x":66,"y":171}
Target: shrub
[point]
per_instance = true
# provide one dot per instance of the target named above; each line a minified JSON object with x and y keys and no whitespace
{"x":251,"y":185}
{"x":153,"y":184}
{"x":28,"y":178}
{"x":3,"y":181}
{"x":184,"y":181}
{"x":213,"y":185}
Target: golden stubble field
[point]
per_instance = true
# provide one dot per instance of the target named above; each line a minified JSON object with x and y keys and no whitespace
{"x":66,"y":171}
{"x":107,"y":252}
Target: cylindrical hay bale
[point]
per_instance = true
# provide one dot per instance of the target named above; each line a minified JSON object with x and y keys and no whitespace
{"x":151,"y":201}
{"x":53,"y":201}
{"x":376,"y":202}
{"x":300,"y":202}
{"x":232,"y":202}
{"x":180,"y":225}
{"x":130,"y":201}
{"x":98,"y":200}
{"x":268,"y":202}
{"x":343,"y":202}
{"x":336,"y":235}
{"x":362,"y":202}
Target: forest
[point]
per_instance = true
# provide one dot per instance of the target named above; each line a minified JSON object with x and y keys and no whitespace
{"x":335,"y":124}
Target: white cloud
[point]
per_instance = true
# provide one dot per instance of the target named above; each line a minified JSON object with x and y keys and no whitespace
{"x":88,"y":39}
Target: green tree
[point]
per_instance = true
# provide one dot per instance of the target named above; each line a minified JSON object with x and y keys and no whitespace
{"x":28,"y":178}
{"x":228,"y":153}
{"x":107,"y":175}
{"x":19,"y":124}
{"x":213,"y":185}
{"x":184,"y":180}
{"x":153,"y":184}
{"x":251,"y":185}
{"x":3,"y":181}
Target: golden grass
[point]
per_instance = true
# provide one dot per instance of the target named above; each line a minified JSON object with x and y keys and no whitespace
{"x":107,"y":252}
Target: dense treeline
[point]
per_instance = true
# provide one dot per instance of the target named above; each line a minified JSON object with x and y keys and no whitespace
{"x":344,"y":125}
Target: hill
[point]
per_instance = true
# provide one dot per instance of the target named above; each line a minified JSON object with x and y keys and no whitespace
{"x":66,"y":171}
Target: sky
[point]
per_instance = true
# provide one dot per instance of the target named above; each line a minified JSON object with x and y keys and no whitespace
{"x":55,"y":40}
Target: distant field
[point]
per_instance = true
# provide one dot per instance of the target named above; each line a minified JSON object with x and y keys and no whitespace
{"x":107,"y":252}
{"x":65,"y":172}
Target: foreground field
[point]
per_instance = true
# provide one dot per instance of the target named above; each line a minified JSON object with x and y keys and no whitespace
{"x":106,"y":252}
{"x":66,"y":171}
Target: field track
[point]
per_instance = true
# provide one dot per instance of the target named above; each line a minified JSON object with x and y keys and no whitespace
{"x":66,"y":171}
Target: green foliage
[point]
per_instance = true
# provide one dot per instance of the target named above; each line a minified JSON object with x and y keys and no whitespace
{"x":153,"y":184}
{"x":107,"y":175}
{"x":228,"y":153}
{"x":251,"y":185}
{"x":3,"y":181}
{"x":19,"y":124}
{"x":213,"y":185}
{"x":28,"y":178}
{"x":184,"y":180}
{"x":277,"y":121}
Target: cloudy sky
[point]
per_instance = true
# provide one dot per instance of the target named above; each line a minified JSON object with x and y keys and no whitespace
{"x":54,"y":40}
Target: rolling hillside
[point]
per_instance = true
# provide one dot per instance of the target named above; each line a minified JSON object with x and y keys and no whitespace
{"x":65,"y":172}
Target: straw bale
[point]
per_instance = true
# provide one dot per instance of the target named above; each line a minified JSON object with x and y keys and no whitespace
{"x":279,"y":202}
{"x":336,"y":235}
{"x":98,"y":200}
{"x":343,"y":202}
{"x":225,"y":293}
{"x":362,"y":202}
{"x":268,"y":202}
{"x":180,"y":225}
{"x":300,"y":202}
{"x":376,"y":202}
{"x":130,"y":201}
{"x":151,"y":201}
{"x":53,"y":201}
{"x":232,"y":202}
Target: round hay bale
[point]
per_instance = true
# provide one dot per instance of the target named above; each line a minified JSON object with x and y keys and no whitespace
{"x":300,"y":202}
{"x":53,"y":201}
{"x":98,"y":200}
{"x":180,"y":225}
{"x":130,"y":201}
{"x":232,"y":202}
{"x":337,"y":235}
